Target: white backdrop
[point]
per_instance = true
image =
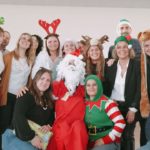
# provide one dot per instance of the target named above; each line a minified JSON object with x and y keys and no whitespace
{"x":75,"y":21}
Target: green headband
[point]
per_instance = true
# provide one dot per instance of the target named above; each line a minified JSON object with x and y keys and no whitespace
{"x":99,"y":87}
{"x":126,"y":39}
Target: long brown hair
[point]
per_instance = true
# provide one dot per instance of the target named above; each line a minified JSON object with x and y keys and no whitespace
{"x":46,"y":98}
{"x":99,"y":65}
{"x":16,"y":55}
{"x":52,"y":35}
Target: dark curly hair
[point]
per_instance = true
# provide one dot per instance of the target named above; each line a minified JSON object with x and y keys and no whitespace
{"x":40,"y":43}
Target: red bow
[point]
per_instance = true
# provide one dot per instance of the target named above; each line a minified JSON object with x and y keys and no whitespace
{"x":128,"y":37}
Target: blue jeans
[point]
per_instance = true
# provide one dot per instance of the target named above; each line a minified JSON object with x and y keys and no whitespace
{"x":147,"y":128}
{"x":111,"y":146}
{"x":145,"y":147}
{"x":11,"y":142}
{"x":147,"y":131}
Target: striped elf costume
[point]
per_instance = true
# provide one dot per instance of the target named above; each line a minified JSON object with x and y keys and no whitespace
{"x":103,"y":118}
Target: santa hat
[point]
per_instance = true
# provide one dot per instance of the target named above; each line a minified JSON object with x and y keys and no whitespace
{"x":126,"y":39}
{"x":76,"y":57}
{"x":122,"y":22}
{"x":144,"y":102}
{"x":76,"y":53}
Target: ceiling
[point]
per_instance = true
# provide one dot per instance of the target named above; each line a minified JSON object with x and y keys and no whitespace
{"x":83,"y":3}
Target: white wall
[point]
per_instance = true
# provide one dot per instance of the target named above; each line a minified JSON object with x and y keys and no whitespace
{"x":75,"y":21}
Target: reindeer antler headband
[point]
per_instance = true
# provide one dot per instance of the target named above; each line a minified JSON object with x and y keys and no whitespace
{"x":48,"y":27}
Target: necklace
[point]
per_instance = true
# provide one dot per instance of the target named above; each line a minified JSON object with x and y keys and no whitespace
{"x":44,"y":105}
{"x":45,"y":108}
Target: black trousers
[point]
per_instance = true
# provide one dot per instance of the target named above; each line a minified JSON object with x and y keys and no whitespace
{"x":127,"y":139}
{"x":142,"y":123}
{"x":6,"y":115}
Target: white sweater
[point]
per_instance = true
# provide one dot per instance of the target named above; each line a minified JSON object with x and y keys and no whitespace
{"x":1,"y":62}
{"x":44,"y":60}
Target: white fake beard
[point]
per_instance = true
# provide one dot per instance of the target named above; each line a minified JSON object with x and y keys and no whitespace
{"x":72,"y":78}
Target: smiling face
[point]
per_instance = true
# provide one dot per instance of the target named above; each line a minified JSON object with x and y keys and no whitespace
{"x":24,"y":41}
{"x":1,"y":37}
{"x":52,"y":43}
{"x":6,"y":39}
{"x":94,"y":53}
{"x":91,"y":88}
{"x":146,"y":47}
{"x":122,"y":50}
{"x":35,"y":43}
{"x":44,"y":82}
{"x":125,"y":29}
{"x":69,"y":46}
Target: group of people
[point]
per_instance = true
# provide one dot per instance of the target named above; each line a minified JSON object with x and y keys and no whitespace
{"x":86,"y":101}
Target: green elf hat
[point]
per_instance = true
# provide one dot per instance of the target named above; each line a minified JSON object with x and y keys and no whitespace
{"x":99,"y":85}
{"x":2,"y":20}
{"x":126,"y":39}
{"x":122,"y":22}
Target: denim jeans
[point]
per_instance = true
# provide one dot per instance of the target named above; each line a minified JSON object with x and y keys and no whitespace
{"x":111,"y":146}
{"x":11,"y":142}
{"x":147,"y":128}
{"x":147,"y":131}
{"x":145,"y":147}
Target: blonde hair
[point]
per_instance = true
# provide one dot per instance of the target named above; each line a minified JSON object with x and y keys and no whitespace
{"x":131,"y":53}
{"x":27,"y":53}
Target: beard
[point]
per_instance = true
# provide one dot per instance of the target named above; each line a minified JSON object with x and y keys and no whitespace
{"x":72,"y":78}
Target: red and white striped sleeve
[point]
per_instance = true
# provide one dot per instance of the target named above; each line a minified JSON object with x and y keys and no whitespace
{"x":115,"y":115}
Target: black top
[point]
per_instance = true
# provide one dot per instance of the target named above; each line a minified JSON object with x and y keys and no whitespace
{"x":93,"y":69}
{"x":132,"y":82}
{"x":148,"y":75}
{"x":27,"y":109}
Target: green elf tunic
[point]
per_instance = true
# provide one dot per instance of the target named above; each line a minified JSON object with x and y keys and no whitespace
{"x":103,"y":118}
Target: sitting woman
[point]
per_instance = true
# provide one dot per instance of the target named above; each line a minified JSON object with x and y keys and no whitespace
{"x":103,"y":118}
{"x":36,"y":105}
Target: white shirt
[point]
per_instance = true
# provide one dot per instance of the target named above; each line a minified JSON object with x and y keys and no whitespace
{"x":1,"y":62}
{"x":119,"y":86}
{"x":44,"y":60}
{"x":19,"y":74}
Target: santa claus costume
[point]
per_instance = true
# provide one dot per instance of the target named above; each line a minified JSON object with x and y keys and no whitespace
{"x":69,"y":131}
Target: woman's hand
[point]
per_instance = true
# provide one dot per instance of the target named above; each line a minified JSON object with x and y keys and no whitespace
{"x":21,"y":91}
{"x":130,"y":116}
{"x":45,"y":128}
{"x":110,"y":62}
{"x":37,"y":142}
{"x":99,"y":142}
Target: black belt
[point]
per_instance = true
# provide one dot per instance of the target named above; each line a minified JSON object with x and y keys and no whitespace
{"x":92,"y":130}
